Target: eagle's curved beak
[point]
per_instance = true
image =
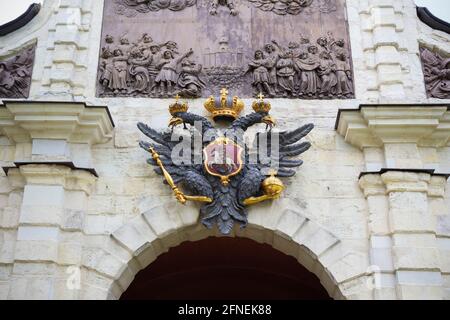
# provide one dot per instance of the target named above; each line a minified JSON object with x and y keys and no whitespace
{"x":175,"y":121}
{"x":269,"y":121}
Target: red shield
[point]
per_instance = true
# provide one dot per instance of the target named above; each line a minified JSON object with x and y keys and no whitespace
{"x":223,"y":158}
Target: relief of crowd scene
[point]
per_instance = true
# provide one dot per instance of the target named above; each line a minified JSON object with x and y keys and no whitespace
{"x":320,"y":70}
{"x":146,"y":68}
{"x":303,"y":69}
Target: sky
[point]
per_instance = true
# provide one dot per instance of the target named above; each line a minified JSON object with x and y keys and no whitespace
{"x":10,"y":9}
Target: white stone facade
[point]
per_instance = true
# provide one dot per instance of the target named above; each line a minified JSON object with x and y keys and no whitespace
{"x":84,"y":229}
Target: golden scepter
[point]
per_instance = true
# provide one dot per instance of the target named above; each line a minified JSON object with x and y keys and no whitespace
{"x":181,"y":197}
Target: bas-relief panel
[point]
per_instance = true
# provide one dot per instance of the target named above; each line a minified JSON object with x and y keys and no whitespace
{"x":160,"y":48}
{"x":15,"y":74}
{"x":436,"y":70}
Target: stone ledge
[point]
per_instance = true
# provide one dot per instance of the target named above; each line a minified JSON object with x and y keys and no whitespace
{"x":426,"y":125}
{"x":70,"y":165}
{"x":22,"y":121}
{"x":388,"y":180}
{"x":431,"y":172}
{"x":53,"y":174}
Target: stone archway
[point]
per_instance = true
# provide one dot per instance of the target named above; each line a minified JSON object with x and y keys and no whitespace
{"x":135,"y":245}
{"x":225,"y":268}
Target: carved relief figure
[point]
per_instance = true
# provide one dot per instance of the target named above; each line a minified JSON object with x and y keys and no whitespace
{"x":15,"y":74}
{"x":327,"y":73}
{"x":437,"y":74}
{"x":106,"y":63}
{"x":285,"y":71}
{"x":271,"y":63}
{"x":308,"y":65}
{"x":167,"y":77}
{"x":189,"y":79}
{"x":261,"y":77}
{"x":139,"y":60}
{"x":343,"y":69}
{"x":119,"y":72}
{"x":226,"y":3}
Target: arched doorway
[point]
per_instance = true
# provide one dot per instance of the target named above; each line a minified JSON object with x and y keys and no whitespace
{"x":225,"y":268}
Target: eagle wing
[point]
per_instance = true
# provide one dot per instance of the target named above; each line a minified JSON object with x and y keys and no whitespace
{"x":189,"y":174}
{"x":270,"y":156}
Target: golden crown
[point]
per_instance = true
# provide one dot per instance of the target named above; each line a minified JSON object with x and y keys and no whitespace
{"x":261,"y":105}
{"x":224,"y":106}
{"x":178,"y":106}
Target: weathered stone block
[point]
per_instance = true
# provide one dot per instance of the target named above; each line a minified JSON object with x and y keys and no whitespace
{"x":416,"y":258}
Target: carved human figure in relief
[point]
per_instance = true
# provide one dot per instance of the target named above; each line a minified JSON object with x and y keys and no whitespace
{"x":118,"y":81}
{"x":10,"y":85}
{"x":327,"y":73}
{"x":437,"y":74}
{"x":15,"y":74}
{"x":139,"y":61}
{"x":285,"y":71}
{"x":189,"y":79}
{"x":226,"y":3}
{"x":261,"y":77}
{"x":343,"y":69}
{"x":124,"y":46}
{"x":106,"y":62}
{"x":308,"y":65}
{"x":271,"y":63}
{"x":167,"y":77}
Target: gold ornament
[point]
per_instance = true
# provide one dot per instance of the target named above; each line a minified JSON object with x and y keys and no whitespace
{"x":261,"y":105}
{"x":272,"y":187}
{"x":178,"y":107}
{"x":224,"y":106}
{"x":179,"y":195}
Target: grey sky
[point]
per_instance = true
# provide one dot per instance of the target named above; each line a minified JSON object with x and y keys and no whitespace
{"x":11,"y":9}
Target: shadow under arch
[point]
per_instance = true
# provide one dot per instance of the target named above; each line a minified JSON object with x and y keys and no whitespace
{"x":160,"y":228}
{"x":225,"y":268}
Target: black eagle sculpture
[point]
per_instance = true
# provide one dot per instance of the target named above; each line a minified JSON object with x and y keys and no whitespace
{"x":226,"y":198}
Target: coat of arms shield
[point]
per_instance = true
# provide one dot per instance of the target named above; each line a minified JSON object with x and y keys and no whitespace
{"x":223,"y":158}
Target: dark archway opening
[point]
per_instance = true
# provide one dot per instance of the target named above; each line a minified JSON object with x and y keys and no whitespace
{"x":225,"y":268}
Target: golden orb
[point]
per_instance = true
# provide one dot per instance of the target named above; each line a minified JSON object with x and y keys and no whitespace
{"x":273,"y":186}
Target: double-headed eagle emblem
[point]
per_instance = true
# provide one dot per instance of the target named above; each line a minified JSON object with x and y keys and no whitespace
{"x":231,"y":173}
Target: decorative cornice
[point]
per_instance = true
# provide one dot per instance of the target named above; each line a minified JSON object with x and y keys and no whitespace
{"x":75,"y":122}
{"x":372,"y":185}
{"x":68,"y":164}
{"x":432,"y":21}
{"x":403,"y":180}
{"x":20,"y":21}
{"x":396,"y":105}
{"x":431,"y":172}
{"x":398,"y":181}
{"x":376,"y":125}
{"x":52,"y":174}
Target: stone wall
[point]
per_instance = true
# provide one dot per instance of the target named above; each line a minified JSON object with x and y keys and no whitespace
{"x":67,"y":234}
